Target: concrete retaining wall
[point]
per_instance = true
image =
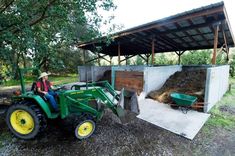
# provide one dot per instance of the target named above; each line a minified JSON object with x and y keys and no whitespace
{"x":155,"y":77}
{"x":217,"y":83}
{"x":217,"y":79}
{"x":84,"y":73}
{"x":91,"y":73}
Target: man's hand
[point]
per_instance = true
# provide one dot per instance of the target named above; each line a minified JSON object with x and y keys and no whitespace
{"x":44,"y":92}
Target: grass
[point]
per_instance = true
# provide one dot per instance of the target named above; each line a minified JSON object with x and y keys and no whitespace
{"x":220,"y":118}
{"x":56,"y":79}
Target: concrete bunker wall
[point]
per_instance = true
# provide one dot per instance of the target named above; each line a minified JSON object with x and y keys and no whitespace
{"x":155,"y":77}
{"x":92,"y":73}
{"x":217,"y":83}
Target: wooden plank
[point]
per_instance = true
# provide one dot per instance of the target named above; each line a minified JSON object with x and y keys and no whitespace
{"x":130,"y":80}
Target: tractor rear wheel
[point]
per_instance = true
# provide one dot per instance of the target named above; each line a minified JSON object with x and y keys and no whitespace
{"x":25,"y":120}
{"x":85,"y":129}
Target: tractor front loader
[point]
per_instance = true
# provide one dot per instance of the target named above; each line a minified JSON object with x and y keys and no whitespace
{"x":28,"y":114}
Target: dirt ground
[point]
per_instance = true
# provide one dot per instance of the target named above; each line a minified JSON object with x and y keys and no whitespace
{"x":190,"y":82}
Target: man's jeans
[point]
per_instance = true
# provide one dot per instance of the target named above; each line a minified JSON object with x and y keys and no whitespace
{"x":50,"y":97}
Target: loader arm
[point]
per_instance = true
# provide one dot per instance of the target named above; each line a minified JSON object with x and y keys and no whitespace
{"x":101,"y":91}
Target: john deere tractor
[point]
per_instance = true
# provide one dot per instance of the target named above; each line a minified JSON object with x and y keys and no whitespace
{"x":29,"y":112}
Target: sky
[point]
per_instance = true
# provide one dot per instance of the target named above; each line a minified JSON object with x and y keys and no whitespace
{"x":131,"y":13}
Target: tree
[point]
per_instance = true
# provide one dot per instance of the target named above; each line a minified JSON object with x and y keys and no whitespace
{"x":164,"y":59}
{"x":37,"y":30}
{"x":139,"y":61}
{"x":197,"y":57}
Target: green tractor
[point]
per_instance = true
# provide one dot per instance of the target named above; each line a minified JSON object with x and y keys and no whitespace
{"x":29,"y":112}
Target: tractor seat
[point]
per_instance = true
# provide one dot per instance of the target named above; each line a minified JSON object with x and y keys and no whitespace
{"x":34,"y":90}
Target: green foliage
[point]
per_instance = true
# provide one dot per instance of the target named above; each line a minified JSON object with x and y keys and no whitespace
{"x":53,"y":78}
{"x":165,"y":59}
{"x":128,"y":62}
{"x":161,"y":59}
{"x":36,"y":32}
{"x":232,"y":63}
{"x":139,"y":61}
{"x":196,"y":57}
{"x":222,"y":118}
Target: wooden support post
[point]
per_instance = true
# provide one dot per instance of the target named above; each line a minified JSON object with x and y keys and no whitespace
{"x":178,"y":53}
{"x":126,"y":58}
{"x":84,"y":56}
{"x":179,"y":61}
{"x":153,"y":50}
{"x":98,"y":59}
{"x":147,"y":55}
{"x":110,"y":62}
{"x":216,"y":29}
{"x":226,"y":45}
{"x":179,"y":56}
{"x":119,"y":53}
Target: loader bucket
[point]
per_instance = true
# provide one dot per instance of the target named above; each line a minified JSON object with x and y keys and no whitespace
{"x":127,"y":106}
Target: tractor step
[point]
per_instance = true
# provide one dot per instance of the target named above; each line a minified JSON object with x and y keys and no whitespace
{"x":54,"y":115}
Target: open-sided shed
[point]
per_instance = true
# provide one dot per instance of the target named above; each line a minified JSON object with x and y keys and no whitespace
{"x":207,"y":27}
{"x":202,"y":28}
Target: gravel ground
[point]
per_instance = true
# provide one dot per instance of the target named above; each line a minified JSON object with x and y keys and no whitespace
{"x":111,"y":138}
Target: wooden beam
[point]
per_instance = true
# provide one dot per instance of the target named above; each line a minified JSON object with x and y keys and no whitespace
{"x":176,"y":36}
{"x":153,"y":50}
{"x":216,"y":30}
{"x":145,"y":43}
{"x":98,"y":59}
{"x":142,"y":57}
{"x":179,"y":55}
{"x":147,"y":56}
{"x":103,"y":57}
{"x":229,"y":26}
{"x":119,"y":53}
{"x":126,"y":33}
{"x":84,"y":56}
{"x":110,"y":62}
{"x":197,"y":14}
{"x":225,"y":42}
{"x":127,"y":57}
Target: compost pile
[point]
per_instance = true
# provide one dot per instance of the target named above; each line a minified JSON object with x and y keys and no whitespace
{"x":190,"y":82}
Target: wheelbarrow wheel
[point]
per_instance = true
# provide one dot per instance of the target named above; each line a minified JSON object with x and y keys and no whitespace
{"x":174,"y":106}
{"x":85,"y":129}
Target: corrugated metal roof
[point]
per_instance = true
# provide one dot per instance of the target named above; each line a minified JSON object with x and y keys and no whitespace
{"x":190,"y":30}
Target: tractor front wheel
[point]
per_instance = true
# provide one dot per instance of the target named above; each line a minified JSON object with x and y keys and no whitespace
{"x":25,"y":120}
{"x":85,"y":129}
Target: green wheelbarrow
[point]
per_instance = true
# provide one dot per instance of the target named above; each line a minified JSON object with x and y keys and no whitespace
{"x":183,"y":101}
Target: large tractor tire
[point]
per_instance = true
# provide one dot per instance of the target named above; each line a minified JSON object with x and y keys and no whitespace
{"x":84,"y":129}
{"x":25,"y":121}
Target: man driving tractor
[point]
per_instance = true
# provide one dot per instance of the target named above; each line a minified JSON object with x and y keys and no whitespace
{"x":44,"y":88}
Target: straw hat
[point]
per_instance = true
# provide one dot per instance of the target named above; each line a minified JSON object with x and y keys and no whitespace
{"x":43,"y":74}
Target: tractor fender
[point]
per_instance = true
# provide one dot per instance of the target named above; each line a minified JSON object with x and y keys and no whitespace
{"x":38,"y":100}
